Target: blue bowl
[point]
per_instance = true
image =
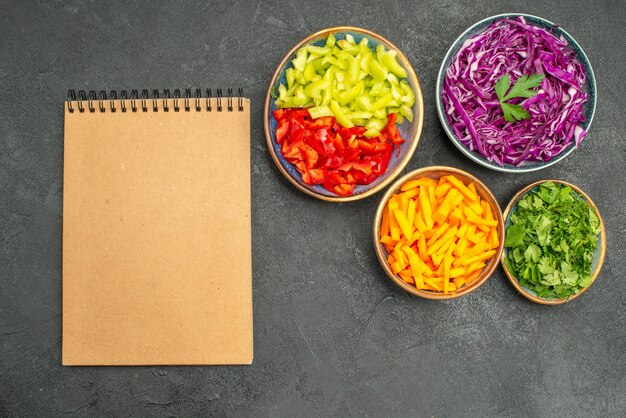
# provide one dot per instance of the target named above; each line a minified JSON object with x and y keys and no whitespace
{"x":410,"y":131}
{"x":598,"y":255}
{"x":589,"y":107}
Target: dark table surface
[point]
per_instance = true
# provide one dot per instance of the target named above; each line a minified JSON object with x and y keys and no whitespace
{"x":333,"y":335}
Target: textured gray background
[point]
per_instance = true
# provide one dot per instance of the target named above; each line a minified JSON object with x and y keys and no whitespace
{"x":333,"y":336}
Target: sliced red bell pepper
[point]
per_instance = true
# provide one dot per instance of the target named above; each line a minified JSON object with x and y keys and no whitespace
{"x":381,"y":168}
{"x":296,"y":131}
{"x":314,"y":176}
{"x":310,"y":138}
{"x":300,"y":114}
{"x":344,"y":189}
{"x":324,"y":138}
{"x":328,"y":154}
{"x":310,"y":155}
{"x":392,"y":130}
{"x":362,"y":178}
{"x":281,"y":131}
{"x":357,"y":130}
{"x":339,"y":144}
{"x":355,"y":165}
{"x":279,"y":114}
{"x":320,"y":123}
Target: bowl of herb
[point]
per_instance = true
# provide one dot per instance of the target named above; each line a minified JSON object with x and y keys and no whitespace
{"x":516,"y":93}
{"x":555,"y":242}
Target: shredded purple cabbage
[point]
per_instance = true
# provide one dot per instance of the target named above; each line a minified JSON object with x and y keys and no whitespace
{"x":472,"y":108}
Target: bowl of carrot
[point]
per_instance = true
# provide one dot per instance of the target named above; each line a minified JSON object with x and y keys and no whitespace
{"x":439,"y":233}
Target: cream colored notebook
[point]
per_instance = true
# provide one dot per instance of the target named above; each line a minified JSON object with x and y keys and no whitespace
{"x":156,"y":230}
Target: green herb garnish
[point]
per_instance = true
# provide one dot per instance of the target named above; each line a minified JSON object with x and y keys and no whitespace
{"x":551,"y":240}
{"x":513,"y":112}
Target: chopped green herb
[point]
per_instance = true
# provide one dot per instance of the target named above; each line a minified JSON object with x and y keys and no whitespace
{"x":513,"y":112}
{"x":551,"y":241}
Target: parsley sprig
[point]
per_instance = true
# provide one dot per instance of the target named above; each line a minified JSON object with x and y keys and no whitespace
{"x":522,"y":88}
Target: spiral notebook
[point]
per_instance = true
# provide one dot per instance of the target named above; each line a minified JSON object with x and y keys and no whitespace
{"x":156,"y":229}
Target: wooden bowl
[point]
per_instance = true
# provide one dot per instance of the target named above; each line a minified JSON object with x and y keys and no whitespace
{"x":598,"y":258}
{"x":435,"y":172}
{"x":410,"y":131}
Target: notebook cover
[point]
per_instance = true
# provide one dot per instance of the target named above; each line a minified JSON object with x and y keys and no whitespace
{"x":157,"y":237}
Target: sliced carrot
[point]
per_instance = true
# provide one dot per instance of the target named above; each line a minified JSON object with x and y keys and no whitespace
{"x":476,"y":207}
{"x":427,"y":269}
{"x":431,"y":196}
{"x":411,"y":212}
{"x":421,"y":246}
{"x":457,"y":272}
{"x":386,"y":240}
{"x":480,"y":257}
{"x":475,"y":266}
{"x":439,"y":234}
{"x":404,"y":202}
{"x":469,"y":212}
{"x":472,"y":277}
{"x":456,"y":216}
{"x":432,"y":285}
{"x":425,"y":207}
{"x":461,"y":245}
{"x":393,"y":225}
{"x":384,"y":225}
{"x":471,"y":195}
{"x":487,"y":209}
{"x":476,"y":238}
{"x":493,"y":238}
{"x":462,"y":230}
{"x":446,"y":206}
{"x":406,"y":278}
{"x":419,"y":224}
{"x":423,"y":181}
{"x":411,"y":193}
{"x":403,"y":222}
{"x":442,"y":189}
{"x":396,"y":267}
{"x":445,"y":238}
{"x":480,"y":221}
{"x":477,"y":249}
{"x":416,"y":267}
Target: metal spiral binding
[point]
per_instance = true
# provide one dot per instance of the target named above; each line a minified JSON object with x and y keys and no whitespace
{"x":83,"y":100}
{"x":219,"y":100}
{"x":112,"y":100}
{"x":187,"y":96}
{"x":133,"y":98}
{"x":92,"y":97}
{"x":155,"y":100}
{"x":144,"y":99}
{"x":166,"y":96}
{"x":176,"y":98}
{"x":230,"y":100}
{"x":123,"y":97}
{"x":198,"y":96}
{"x":101,"y":99}
{"x":208,"y":100}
